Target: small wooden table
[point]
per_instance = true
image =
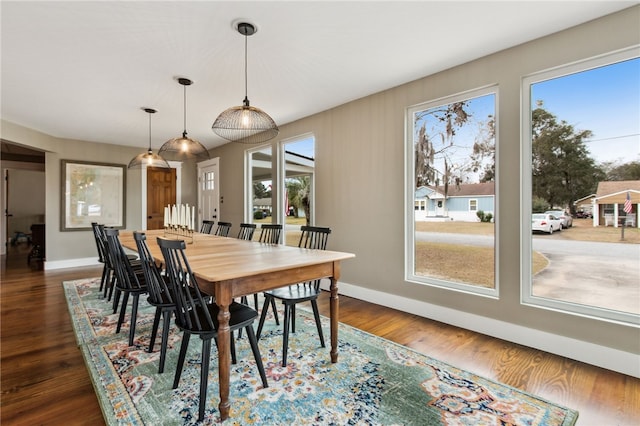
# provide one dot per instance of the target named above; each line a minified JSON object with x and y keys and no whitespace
{"x":230,"y":268}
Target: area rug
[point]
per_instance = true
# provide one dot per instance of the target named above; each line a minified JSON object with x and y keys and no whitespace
{"x":375,"y":382}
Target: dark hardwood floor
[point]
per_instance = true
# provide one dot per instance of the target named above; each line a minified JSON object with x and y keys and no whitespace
{"x":44,"y":380}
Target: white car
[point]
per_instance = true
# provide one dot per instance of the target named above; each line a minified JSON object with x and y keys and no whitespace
{"x":545,"y":222}
{"x":565,"y":218}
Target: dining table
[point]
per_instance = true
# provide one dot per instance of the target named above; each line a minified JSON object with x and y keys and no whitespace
{"x":228,"y":268}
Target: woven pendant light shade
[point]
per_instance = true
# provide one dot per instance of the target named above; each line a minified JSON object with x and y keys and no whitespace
{"x":245,"y":124}
{"x":148,"y":158}
{"x":184,"y":148}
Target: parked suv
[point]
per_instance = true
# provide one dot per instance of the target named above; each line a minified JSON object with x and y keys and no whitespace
{"x":565,"y":218}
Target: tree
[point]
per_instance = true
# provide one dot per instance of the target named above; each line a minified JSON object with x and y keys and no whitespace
{"x":260,"y":191}
{"x":299,"y":195}
{"x":451,"y":117}
{"x":437,"y":152}
{"x":625,"y":171}
{"x":483,"y":158}
{"x":562,"y":170}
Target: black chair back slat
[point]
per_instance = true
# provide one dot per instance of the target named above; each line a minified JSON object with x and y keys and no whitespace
{"x":223,"y":228}
{"x":156,"y":285}
{"x":207,"y":226}
{"x":181,"y":279}
{"x":126,"y":276}
{"x":270,"y":233}
{"x":246,"y":231}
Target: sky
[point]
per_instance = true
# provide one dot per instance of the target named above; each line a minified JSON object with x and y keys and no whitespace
{"x":605,"y":100}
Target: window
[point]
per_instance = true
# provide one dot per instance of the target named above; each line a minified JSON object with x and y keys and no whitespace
{"x":259,"y":185}
{"x":208,"y":182}
{"x":581,"y":140}
{"x":297,"y":185}
{"x":451,"y":192}
{"x":293,"y":190}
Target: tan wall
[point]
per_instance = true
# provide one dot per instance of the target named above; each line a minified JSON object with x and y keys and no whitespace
{"x":360,"y":177}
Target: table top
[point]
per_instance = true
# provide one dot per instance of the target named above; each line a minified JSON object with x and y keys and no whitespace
{"x":216,"y":258}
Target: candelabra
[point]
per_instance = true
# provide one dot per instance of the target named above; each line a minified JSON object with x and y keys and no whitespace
{"x":179,"y":232}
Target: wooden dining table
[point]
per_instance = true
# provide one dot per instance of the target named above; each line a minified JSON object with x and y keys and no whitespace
{"x":228,"y":268}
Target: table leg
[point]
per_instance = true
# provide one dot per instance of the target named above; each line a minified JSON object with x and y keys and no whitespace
{"x":334,"y":310}
{"x":224,"y":357}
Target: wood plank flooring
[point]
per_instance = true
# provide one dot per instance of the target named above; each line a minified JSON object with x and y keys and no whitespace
{"x":44,"y":380}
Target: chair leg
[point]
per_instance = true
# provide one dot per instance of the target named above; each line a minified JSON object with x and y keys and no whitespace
{"x":255,"y":300}
{"x":154,"y":329}
{"x":232,"y":345}
{"x":116,"y":298}
{"x":293,"y":318}
{"x":256,"y":354}
{"x":263,"y":314}
{"x":125,"y":299}
{"x":166,"y":323}
{"x":285,"y":333}
{"x":183,"y":352}
{"x":134,"y":315}
{"x":275,"y":310}
{"x":316,"y":314}
{"x":204,"y":376}
{"x":102,"y":278}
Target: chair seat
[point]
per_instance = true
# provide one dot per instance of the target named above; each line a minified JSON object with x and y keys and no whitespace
{"x":240,"y":316}
{"x":294,"y":293}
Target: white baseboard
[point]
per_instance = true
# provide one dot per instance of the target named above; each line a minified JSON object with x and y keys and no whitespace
{"x":590,"y":353}
{"x":70,"y":263}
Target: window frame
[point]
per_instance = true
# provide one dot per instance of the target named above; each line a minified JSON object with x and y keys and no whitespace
{"x":526,"y":279}
{"x":473,"y":205}
{"x":409,"y":185}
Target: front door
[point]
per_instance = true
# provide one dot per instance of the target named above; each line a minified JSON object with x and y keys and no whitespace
{"x":161,"y":191}
{"x":208,"y":191}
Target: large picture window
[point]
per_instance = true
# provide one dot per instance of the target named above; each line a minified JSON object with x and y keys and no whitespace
{"x":581,"y":164}
{"x":451,"y":192}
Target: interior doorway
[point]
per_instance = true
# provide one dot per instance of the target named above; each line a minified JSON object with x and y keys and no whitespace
{"x":161,"y":192}
{"x":208,"y":191}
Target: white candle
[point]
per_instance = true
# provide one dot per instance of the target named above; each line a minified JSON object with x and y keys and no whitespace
{"x":174,"y":215}
{"x":193,"y":217}
{"x":166,"y":219}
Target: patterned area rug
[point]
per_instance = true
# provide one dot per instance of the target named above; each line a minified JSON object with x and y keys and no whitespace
{"x":375,"y":382}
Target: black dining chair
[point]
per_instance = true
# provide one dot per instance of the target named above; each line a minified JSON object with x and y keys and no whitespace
{"x":222,"y":229}
{"x":129,"y":282}
{"x":102,"y":255}
{"x":195,"y":316}
{"x":159,"y":296}
{"x":207,"y":226}
{"x":312,"y":237}
{"x":246,"y":231}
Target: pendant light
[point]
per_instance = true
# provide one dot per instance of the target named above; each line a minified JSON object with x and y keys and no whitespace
{"x":184,"y":148}
{"x":245,"y":123}
{"x":148,"y":158}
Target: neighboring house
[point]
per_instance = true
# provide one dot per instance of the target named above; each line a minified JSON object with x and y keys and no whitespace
{"x":608,"y":207}
{"x":585,"y":204}
{"x":461,"y":203}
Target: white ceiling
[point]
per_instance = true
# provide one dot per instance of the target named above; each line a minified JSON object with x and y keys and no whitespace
{"x":83,"y":70}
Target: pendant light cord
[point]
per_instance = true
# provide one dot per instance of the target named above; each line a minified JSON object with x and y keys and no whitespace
{"x":246,"y":84}
{"x":184,"y":133}
{"x":149,"y":131}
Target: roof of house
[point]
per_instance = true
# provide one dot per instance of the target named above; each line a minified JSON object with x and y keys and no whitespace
{"x":464,"y":190}
{"x":615,"y":187}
